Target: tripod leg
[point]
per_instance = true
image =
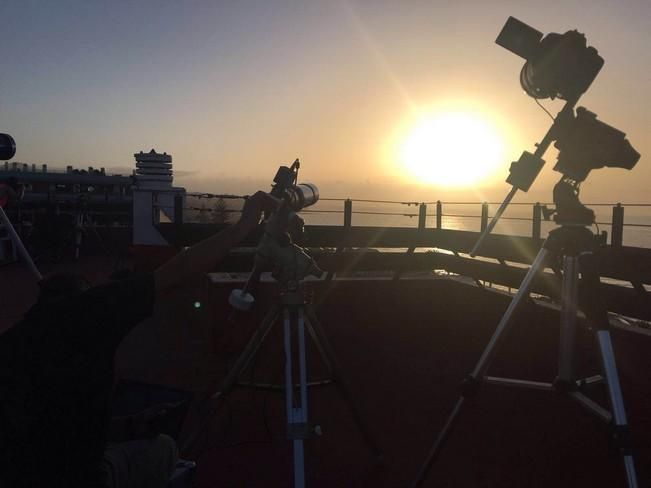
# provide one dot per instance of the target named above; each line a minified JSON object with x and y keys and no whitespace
{"x":569,"y":296}
{"x":325,"y":349}
{"x":471,"y":384}
{"x":248,"y":353}
{"x":79,"y":225}
{"x":621,"y":433}
{"x":296,"y":411}
{"x":598,"y":315}
{"x":319,"y":346}
{"x":18,"y":244}
{"x":208,"y":406}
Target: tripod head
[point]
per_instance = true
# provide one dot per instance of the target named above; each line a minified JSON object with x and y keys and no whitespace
{"x":584,"y":144}
{"x":283,"y":229}
{"x":561,"y":66}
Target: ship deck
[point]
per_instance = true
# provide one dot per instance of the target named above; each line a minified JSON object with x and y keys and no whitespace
{"x":403,"y":347}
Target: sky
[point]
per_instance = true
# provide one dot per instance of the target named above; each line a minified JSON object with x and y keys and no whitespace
{"x":233,"y":89}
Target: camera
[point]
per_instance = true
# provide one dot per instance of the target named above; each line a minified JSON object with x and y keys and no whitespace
{"x":586,"y":143}
{"x":557,"y":65}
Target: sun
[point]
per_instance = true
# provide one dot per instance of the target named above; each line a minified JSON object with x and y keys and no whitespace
{"x":451,"y":149}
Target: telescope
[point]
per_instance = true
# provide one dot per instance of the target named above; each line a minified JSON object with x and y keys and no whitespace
{"x":7,"y":147}
{"x":561,"y":66}
{"x":291,"y":308}
{"x":282,"y":229}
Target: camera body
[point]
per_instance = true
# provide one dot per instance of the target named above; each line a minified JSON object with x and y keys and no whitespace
{"x":586,"y":143}
{"x":557,"y":65}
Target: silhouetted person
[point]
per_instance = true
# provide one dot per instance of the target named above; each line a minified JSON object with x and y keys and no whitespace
{"x":56,"y":375}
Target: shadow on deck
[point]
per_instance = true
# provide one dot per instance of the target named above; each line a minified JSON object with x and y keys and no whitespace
{"x":404,"y":347}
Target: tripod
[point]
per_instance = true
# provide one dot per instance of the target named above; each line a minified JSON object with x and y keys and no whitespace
{"x":298,"y":316}
{"x":574,"y":245}
{"x":18,"y":243}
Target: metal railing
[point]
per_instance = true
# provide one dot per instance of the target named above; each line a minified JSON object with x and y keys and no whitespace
{"x":616,"y":223}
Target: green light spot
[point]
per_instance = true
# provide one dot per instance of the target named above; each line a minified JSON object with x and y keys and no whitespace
{"x":197,"y":304}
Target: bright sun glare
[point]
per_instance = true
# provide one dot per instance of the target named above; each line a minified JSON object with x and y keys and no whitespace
{"x":451,"y":149}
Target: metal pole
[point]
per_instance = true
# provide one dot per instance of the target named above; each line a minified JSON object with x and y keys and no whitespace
{"x":348,"y":219}
{"x":550,"y":136}
{"x":302,"y":361}
{"x":439,"y":214}
{"x":617,"y":236}
{"x":422,"y":216}
{"x":616,"y":402}
{"x":348,"y":213}
{"x":296,"y":416}
{"x":484,"y":216}
{"x":178,"y":209}
{"x":569,"y":295}
{"x":507,"y":319}
{"x":496,"y":217}
{"x":536,"y":222}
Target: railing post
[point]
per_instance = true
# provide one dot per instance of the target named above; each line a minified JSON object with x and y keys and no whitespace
{"x":348,"y":221}
{"x":178,"y":209}
{"x":617,"y":235}
{"x":422,"y":222}
{"x":536,"y":222}
{"x":439,"y":214}
{"x":484,"y":216}
{"x":422,"y":216}
{"x":348,"y":213}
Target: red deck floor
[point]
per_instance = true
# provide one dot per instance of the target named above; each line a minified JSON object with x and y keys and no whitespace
{"x":404,"y":347}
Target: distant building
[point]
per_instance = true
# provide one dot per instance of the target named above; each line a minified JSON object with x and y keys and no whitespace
{"x":142,"y":199}
{"x":43,"y":185}
{"x":154,"y":197}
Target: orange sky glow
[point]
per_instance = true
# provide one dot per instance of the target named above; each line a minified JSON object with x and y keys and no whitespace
{"x":234,"y":90}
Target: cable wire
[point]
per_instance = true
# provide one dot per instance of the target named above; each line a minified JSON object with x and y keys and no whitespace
{"x":546,"y":111}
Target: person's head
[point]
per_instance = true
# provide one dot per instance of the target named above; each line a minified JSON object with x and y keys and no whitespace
{"x":59,"y":286}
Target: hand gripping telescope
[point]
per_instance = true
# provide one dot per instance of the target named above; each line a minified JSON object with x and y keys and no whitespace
{"x":277,"y":247}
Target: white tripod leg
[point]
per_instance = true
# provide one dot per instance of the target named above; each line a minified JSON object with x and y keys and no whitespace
{"x":620,"y":423}
{"x":15,"y":238}
{"x":296,"y":415}
{"x":569,"y":296}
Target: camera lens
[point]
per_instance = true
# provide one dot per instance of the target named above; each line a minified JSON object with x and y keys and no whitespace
{"x":303,"y":195}
{"x":7,"y":147}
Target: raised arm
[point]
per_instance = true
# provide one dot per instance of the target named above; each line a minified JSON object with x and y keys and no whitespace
{"x":202,"y":257}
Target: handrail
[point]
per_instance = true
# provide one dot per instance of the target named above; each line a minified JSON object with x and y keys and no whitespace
{"x":617,"y":224}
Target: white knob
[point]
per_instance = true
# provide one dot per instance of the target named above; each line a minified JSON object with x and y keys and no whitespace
{"x":241,"y":300}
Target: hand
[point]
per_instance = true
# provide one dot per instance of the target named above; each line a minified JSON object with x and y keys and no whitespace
{"x":253,"y":208}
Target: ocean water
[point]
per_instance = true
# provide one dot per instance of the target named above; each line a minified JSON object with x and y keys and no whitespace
{"x":516,"y":220}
